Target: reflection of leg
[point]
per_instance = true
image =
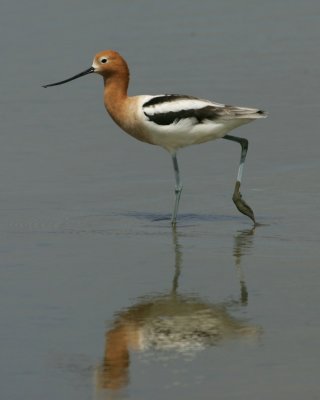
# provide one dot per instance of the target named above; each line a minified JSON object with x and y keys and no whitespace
{"x":241,"y":205}
{"x":178,"y":189}
{"x":177,"y":261}
{"x":243,"y":243}
{"x":243,"y":292}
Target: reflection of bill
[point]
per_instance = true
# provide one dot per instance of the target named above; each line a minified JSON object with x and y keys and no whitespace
{"x":173,"y":323}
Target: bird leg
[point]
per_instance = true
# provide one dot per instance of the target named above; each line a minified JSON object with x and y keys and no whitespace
{"x":241,"y":205}
{"x":177,"y":190}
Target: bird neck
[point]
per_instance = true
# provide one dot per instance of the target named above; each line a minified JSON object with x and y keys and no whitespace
{"x":115,"y":93}
{"x":116,"y":86}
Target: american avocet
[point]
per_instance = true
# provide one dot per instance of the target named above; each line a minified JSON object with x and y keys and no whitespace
{"x":171,"y":121}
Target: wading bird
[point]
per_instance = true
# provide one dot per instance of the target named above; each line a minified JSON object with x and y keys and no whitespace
{"x":171,"y":121}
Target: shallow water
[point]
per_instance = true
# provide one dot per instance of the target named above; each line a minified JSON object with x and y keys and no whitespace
{"x":100,"y":298}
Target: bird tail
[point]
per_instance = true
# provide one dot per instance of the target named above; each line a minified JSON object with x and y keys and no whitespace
{"x":247,"y":113}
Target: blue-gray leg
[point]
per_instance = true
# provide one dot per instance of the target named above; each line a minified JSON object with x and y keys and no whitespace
{"x":177,"y":190}
{"x":241,"y":205}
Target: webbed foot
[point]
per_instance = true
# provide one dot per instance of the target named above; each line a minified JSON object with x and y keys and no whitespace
{"x":241,"y":205}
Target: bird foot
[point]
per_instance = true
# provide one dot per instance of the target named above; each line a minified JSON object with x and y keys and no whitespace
{"x":241,"y":205}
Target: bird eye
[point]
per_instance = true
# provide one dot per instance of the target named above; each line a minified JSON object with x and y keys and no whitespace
{"x":103,"y":60}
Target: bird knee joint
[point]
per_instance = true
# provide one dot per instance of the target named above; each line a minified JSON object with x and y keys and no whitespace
{"x":244,"y":143}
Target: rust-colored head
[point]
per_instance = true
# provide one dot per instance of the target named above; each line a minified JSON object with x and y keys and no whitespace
{"x":106,"y":63}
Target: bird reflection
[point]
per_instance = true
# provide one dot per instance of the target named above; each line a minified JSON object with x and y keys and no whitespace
{"x":243,"y":242}
{"x":181,"y":323}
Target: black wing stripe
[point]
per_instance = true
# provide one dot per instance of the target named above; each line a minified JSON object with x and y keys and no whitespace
{"x":166,"y":99}
{"x":200,"y":114}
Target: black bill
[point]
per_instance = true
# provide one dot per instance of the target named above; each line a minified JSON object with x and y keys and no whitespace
{"x":86,"y":72}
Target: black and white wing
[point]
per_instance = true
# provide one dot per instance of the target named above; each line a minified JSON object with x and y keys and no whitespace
{"x":171,"y":109}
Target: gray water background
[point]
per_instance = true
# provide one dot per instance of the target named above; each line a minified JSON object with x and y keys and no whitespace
{"x":84,"y":234}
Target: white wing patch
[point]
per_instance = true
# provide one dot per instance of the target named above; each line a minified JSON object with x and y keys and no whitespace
{"x":178,"y":105}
